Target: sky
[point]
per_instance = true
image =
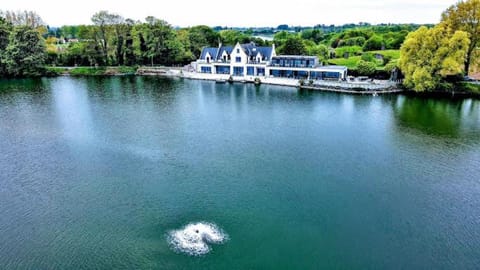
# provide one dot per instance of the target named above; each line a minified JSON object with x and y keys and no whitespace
{"x":249,"y":13}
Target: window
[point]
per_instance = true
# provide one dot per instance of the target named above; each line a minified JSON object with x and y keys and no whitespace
{"x":237,"y":71}
{"x":238,"y":50}
{"x":238,"y":59}
{"x":206,"y":70}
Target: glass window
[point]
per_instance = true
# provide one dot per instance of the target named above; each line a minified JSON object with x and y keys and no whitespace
{"x":238,"y":59}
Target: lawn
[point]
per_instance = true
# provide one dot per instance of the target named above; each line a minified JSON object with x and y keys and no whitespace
{"x":350,"y":62}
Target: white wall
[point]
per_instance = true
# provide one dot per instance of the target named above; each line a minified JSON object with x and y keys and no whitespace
{"x":234,"y":56}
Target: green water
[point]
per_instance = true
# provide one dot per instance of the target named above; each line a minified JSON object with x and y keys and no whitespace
{"x":94,"y":172}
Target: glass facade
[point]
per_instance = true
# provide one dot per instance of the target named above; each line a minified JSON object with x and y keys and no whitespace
{"x":296,"y":74}
{"x":206,"y":69}
{"x":237,"y":71}
{"x":260,"y":71}
{"x":222,"y":70}
{"x":299,"y":62}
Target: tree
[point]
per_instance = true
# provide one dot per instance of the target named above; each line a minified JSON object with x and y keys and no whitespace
{"x":374,"y":43}
{"x":26,"y":18}
{"x":5,"y":29}
{"x":202,"y":36}
{"x":429,"y":56}
{"x":25,"y":53}
{"x":366,"y":68}
{"x":103,"y":20}
{"x":294,"y":46}
{"x":465,"y":16}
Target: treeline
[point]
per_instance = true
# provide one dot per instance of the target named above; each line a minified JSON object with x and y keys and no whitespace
{"x":113,"y":40}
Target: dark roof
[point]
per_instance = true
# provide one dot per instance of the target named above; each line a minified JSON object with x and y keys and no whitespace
{"x":212,"y":51}
{"x":227,"y":49}
{"x":251,"y":50}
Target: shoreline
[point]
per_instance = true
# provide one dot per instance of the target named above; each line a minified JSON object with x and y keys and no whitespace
{"x":358,"y":88}
{"x":375,"y":87}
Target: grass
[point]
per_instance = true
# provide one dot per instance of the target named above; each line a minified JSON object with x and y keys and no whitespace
{"x":87,"y":71}
{"x":91,"y":71}
{"x":350,"y":62}
{"x":394,"y":54}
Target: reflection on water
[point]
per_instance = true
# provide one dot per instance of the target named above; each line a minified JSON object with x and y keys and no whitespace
{"x":438,"y":117}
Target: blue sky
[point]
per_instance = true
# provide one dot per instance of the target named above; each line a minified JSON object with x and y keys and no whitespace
{"x":245,"y":13}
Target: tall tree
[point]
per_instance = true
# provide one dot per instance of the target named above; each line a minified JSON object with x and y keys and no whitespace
{"x":465,"y":16}
{"x":104,"y":21}
{"x":25,"y":53}
{"x":430,"y":55}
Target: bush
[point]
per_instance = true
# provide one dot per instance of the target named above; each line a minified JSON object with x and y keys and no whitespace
{"x":374,"y":43}
{"x":365,"y":68}
{"x":351,"y":50}
{"x":368,"y":57}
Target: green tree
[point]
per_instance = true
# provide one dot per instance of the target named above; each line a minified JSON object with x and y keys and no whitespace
{"x":465,"y":16}
{"x":428,"y":56}
{"x":366,"y":68}
{"x":5,"y":29}
{"x":202,"y":36}
{"x":103,"y":31}
{"x":25,"y":53}
{"x":374,"y":43}
{"x":294,"y":46}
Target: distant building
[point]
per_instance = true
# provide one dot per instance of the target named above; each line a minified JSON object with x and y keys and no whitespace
{"x":250,"y":60}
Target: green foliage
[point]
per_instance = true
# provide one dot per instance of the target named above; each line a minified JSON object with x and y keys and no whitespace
{"x":351,"y":50}
{"x":428,"y":56}
{"x":25,"y":53}
{"x":468,"y":87}
{"x":465,"y":16}
{"x":366,"y":68}
{"x":374,"y":43}
{"x":350,"y":63}
{"x":87,"y":71}
{"x":368,"y":57}
{"x":202,"y":36}
{"x":315,"y":35}
{"x":355,"y":41}
{"x":294,"y":46}
{"x":391,"y":66}
{"x":231,"y":37}
{"x":321,"y":51}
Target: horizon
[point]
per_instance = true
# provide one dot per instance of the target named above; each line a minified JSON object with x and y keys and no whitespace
{"x":209,"y":12}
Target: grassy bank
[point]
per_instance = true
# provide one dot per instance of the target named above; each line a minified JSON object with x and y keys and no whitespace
{"x":91,"y":71}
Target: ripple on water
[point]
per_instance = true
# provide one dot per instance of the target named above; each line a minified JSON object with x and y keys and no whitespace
{"x":194,"y":238}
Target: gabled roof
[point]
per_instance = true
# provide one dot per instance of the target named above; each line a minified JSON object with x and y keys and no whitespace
{"x":210,"y":50}
{"x":251,"y":50}
{"x":227,"y":49}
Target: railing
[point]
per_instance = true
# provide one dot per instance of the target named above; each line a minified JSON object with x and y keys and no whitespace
{"x":214,"y":62}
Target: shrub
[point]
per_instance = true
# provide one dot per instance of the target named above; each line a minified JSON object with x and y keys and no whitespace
{"x":366,"y":68}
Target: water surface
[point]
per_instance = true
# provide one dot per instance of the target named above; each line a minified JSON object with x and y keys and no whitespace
{"x":94,"y":172}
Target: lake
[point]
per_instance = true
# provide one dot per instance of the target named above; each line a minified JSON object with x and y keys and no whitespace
{"x":96,"y":173}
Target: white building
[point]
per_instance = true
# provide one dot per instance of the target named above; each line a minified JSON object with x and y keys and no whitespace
{"x":244,"y":60}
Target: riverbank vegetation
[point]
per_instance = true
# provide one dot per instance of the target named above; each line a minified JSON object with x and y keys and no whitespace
{"x":430,"y":56}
